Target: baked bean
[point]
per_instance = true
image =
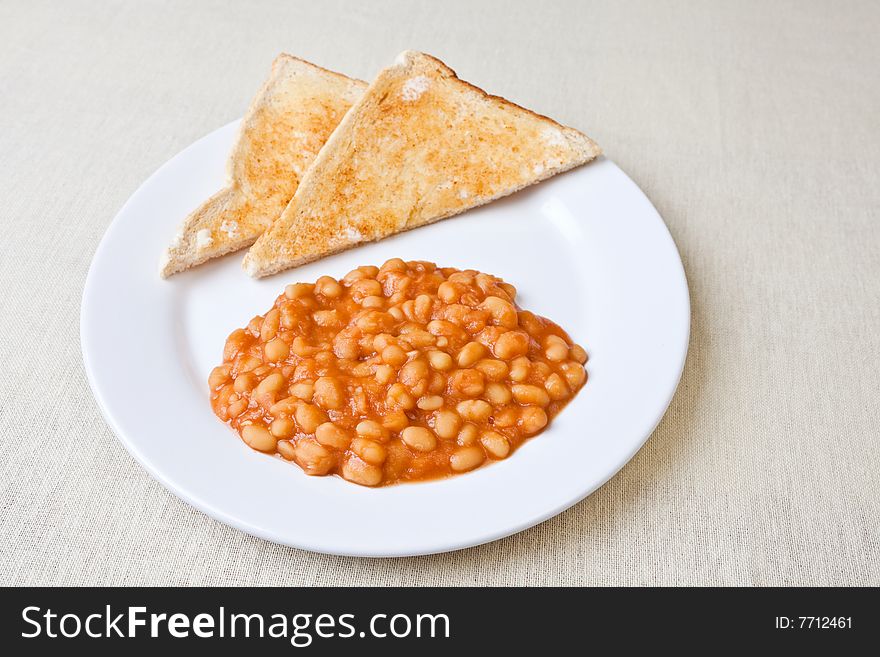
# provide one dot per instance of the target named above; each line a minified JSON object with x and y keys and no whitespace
{"x":408,"y":308}
{"x":360,"y":401}
{"x":506,"y":417}
{"x":408,"y":327}
{"x":418,"y":339}
{"x":360,"y":472}
{"x":467,"y":383}
{"x":331,"y":435}
{"x":325,"y":359}
{"x":394,"y":355}
{"x":271,"y":384}
{"x":270,"y":325}
{"x":328,"y":287}
{"x":366,"y":287}
{"x":448,"y":292}
{"x":470,"y":354}
{"x":414,"y":373}
{"x":555,"y":348}
{"x":372,"y":430}
{"x":247,"y":363}
{"x":532,"y":420}
{"x":511,"y":344}
{"x":440,"y":360}
{"x":393,"y":264}
{"x":234,"y":343}
{"x":301,"y":348}
{"x":556,"y":387}
{"x":475,"y":410}
{"x":373,"y":321}
{"x":312,"y":457}
{"x":399,"y":397}
{"x":373,"y":301}
{"x":468,"y":435}
{"x":346,"y":346}
{"x":503,"y":312}
{"x":497,"y":394}
{"x":245,"y":382}
{"x":419,"y":438}
{"x":470,"y":299}
{"x":298,"y":290}
{"x":466,"y":458}
{"x":304,"y":390}
{"x":396,"y":287}
{"x":519,"y":369}
{"x":237,"y":407}
{"x":263,"y":370}
{"x":286,"y":406}
{"x":442,"y":342}
{"x":430,"y":403}
{"x":437,"y":383}
{"x":530,"y":322}
{"x":493,"y":370}
{"x":531,"y":395}
{"x":286,"y":450}
{"x":224,"y":397}
{"x":354,"y":275}
{"x":396,"y":313}
{"x":395,"y":421}
{"x":578,"y":354}
{"x":276,"y":350}
{"x":289,"y":316}
{"x":362,"y":370}
{"x":484,"y":281}
{"x":282,"y":427}
{"x":309,"y":417}
{"x":371,"y":452}
{"x":440,"y":327}
{"x":457,"y":314}
{"x":385,"y":374}
{"x":329,"y":393}
{"x":575,"y":374}
{"x":509,"y":289}
{"x":464,"y":277}
{"x":364,"y":271}
{"x":446,"y":424}
{"x":258,"y":437}
{"x":382,"y":340}
{"x":496,"y":444}
{"x":423,"y":305}
{"x":541,"y":369}
{"x":218,"y":377}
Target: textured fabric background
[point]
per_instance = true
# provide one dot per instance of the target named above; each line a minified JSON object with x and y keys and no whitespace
{"x":755,"y":129}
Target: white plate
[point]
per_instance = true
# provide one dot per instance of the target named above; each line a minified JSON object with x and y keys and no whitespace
{"x":585,"y":249}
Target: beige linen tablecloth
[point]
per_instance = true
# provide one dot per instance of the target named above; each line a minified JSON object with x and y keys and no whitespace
{"x":754,"y":127}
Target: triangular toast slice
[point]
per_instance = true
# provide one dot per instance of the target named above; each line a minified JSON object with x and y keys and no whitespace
{"x":420,"y":145}
{"x":285,"y":126}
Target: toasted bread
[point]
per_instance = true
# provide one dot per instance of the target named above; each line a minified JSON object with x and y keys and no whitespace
{"x":420,"y":145}
{"x":284,"y":128}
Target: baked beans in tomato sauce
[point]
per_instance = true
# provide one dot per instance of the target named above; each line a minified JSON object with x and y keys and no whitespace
{"x":403,"y":372}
